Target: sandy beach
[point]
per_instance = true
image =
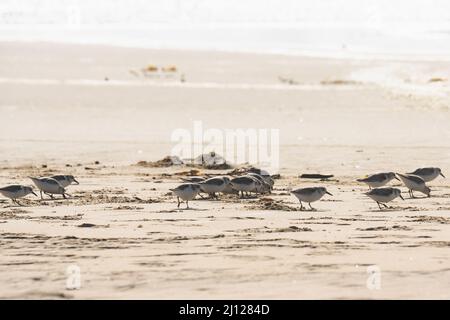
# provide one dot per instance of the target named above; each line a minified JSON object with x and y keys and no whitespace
{"x":90,"y":111}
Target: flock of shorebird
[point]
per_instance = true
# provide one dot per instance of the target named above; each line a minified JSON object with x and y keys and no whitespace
{"x":254,"y":181}
{"x":259,"y":181}
{"x":47,"y":185}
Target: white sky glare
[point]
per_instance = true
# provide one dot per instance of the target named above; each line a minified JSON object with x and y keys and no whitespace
{"x":292,"y":26}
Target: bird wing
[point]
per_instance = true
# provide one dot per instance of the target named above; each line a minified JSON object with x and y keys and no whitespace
{"x":245,"y":180}
{"x":304,"y":191}
{"x":379,"y":177}
{"x":380,"y":192}
{"x":424,"y":171}
{"x":13,"y":188}
{"x":215,"y":181}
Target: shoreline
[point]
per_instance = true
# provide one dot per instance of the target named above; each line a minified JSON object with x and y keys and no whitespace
{"x":305,"y":54}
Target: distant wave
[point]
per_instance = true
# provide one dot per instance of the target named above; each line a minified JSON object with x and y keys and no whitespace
{"x":171,"y":84}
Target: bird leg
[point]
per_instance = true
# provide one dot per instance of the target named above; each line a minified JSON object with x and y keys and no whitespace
{"x":178,"y":199}
{"x":312,"y":209}
{"x":301,"y":206}
{"x":212,"y":195}
{"x":379,"y":205}
{"x":187,"y":204}
{"x":49,"y":194}
{"x":42,"y":198}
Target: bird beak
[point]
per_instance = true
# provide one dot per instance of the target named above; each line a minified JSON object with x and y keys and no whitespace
{"x":34,"y":193}
{"x":401,"y":197}
{"x":396,"y":178}
{"x":442,"y":175}
{"x":76,"y":181}
{"x":328,"y":193}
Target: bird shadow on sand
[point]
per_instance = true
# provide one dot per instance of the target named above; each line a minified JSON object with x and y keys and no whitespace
{"x":394,"y":209}
{"x":54,"y":199}
{"x":17,"y":206}
{"x":188,"y":209}
{"x":314,"y":210}
{"x":384,"y":210}
{"x":208,"y":199}
{"x":23,"y":203}
{"x":419,"y":198}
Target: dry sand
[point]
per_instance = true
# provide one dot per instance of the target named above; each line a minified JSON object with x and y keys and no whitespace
{"x":122,"y":227}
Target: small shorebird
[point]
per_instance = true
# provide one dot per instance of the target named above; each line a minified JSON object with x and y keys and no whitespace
{"x":187,"y":192}
{"x":65,"y":180}
{"x":414,"y":183}
{"x":246,"y":184}
{"x":48,"y":186}
{"x":263,"y":174}
{"x":383,"y":195}
{"x":261,"y":185}
{"x":267,"y":181}
{"x":428,"y":174}
{"x":310,"y":195}
{"x":378,"y":180}
{"x":16,"y":191}
{"x":213,"y":185}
